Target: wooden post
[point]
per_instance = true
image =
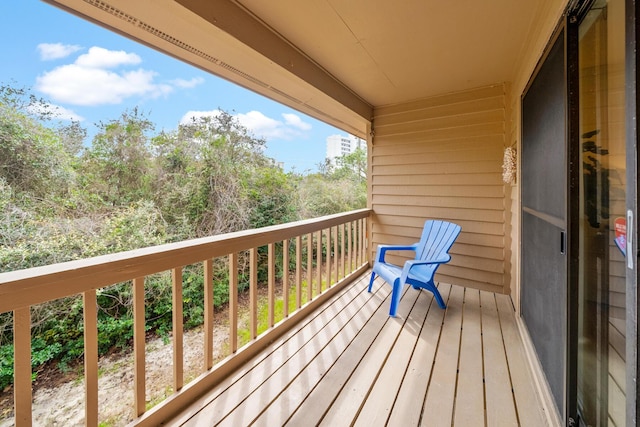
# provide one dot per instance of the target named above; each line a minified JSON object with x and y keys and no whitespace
{"x":328,"y":258}
{"x":299,"y":270}
{"x":208,"y":314}
{"x":319,"y":261}
{"x":253,"y":293}
{"x":233,"y":302}
{"x":271,"y":283}
{"x":342,"y":257}
{"x":309,"y":267}
{"x":285,"y":278}
{"x":139,"y":346}
{"x":22,"y":366}
{"x":178,"y":355}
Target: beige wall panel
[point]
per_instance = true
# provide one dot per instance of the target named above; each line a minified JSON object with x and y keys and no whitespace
{"x":464,"y":130}
{"x":481,"y":180}
{"x":483,"y":117}
{"x":475,"y":153}
{"x":388,"y":146}
{"x":441,"y":158}
{"x":473,"y":227}
{"x":470,"y":275}
{"x":451,"y":190}
{"x":444,"y":144}
{"x":454,"y":202}
{"x":445,"y":212}
{"x":439,"y":111}
{"x":439,"y":168}
{"x":451,"y":98}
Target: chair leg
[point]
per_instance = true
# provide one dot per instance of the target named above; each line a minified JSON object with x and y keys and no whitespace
{"x":439,"y":299}
{"x":436,"y":293}
{"x":395,"y":298}
{"x":373,"y":276}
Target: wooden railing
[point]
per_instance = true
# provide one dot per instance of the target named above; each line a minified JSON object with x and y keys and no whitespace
{"x":340,"y":250}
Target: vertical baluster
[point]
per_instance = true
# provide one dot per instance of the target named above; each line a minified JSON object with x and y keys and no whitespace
{"x":335,"y":264}
{"x":309,"y":267}
{"x":253,"y":292}
{"x":319,"y":261}
{"x":208,"y":314}
{"x":233,"y":302}
{"x":363,"y":230}
{"x":22,"y":365}
{"x":178,"y":354}
{"x":271,"y":283}
{"x":139,"y":346}
{"x":349,"y":246}
{"x":355,"y":244}
{"x":285,"y":278}
{"x":358,"y":244}
{"x":342,"y":257}
{"x":90,"y":321}
{"x":328,"y":257}
{"x":299,"y":270}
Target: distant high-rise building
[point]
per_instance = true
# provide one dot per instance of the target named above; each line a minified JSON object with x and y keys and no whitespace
{"x":338,"y":145}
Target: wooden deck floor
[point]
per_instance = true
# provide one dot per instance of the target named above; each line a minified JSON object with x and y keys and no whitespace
{"x":351,"y":364}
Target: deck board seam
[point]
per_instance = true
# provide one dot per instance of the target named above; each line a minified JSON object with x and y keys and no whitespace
{"x":259,"y":360}
{"x":311,"y":360}
{"x":433,"y":361}
{"x":355,"y":368}
{"x":455,"y":392}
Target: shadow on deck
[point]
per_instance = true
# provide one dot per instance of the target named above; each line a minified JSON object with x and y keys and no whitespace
{"x":349,"y":363}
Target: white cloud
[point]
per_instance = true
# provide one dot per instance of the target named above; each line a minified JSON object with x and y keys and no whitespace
{"x":100,"y":77}
{"x":51,"y":51}
{"x":259,"y":124}
{"x":56,"y":111}
{"x":295,"y":121}
{"x":78,"y":85}
{"x":188,"y":84}
{"x":99,"y":57}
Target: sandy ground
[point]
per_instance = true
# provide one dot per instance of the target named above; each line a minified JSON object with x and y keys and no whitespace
{"x":63,"y":404}
{"x":59,"y":398}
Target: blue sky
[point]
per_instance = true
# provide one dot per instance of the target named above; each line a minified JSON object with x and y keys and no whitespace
{"x":93,"y":75}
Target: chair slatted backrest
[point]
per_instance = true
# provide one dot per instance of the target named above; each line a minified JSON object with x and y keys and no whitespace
{"x":437,"y":238}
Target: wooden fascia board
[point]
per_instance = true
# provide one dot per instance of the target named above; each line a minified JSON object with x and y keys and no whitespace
{"x":245,"y":27}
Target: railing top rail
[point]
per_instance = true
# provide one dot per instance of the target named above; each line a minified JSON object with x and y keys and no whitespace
{"x":31,"y":286}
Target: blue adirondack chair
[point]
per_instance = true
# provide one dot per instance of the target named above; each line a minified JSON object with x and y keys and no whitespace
{"x":431,"y":251}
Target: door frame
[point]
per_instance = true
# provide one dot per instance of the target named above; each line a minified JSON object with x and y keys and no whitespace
{"x":576,"y":11}
{"x":569,"y":22}
{"x":560,"y":32}
{"x":632,"y":72}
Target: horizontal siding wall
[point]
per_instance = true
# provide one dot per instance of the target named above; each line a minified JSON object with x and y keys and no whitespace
{"x":441,"y":158}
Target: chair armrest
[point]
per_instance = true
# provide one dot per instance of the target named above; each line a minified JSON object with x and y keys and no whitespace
{"x":413,"y":262}
{"x":408,"y":265}
{"x":382,"y":250}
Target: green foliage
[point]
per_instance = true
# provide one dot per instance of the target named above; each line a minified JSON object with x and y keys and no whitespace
{"x":6,"y":365}
{"x":62,"y":200}
{"x":33,"y":157}
{"x":116,"y":165}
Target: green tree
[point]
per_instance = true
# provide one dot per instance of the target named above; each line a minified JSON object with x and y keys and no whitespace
{"x":33,"y":158}
{"x":116,"y":166}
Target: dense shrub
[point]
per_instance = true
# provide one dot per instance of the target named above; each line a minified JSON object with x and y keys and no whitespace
{"x":61,"y":201}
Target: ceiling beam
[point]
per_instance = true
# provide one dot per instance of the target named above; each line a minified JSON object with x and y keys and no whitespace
{"x":231,"y":18}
